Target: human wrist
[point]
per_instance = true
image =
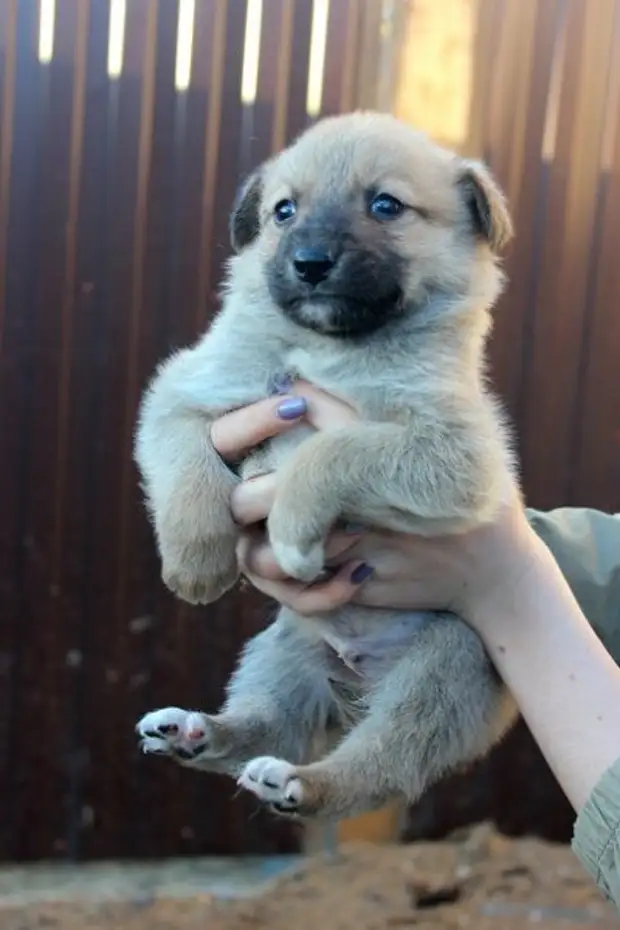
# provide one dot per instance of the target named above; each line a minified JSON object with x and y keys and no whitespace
{"x":523,"y":570}
{"x":557,"y":669}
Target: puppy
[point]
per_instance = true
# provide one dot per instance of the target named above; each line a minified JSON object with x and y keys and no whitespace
{"x":366,"y":263}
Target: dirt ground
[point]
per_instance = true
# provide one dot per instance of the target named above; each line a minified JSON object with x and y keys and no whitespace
{"x":478,"y":880}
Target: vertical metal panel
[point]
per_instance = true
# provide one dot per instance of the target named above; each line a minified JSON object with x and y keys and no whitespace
{"x":32,"y":346}
{"x":267,"y":130}
{"x":516,"y":155}
{"x":296,"y":117}
{"x":341,"y":56}
{"x":595,"y":459}
{"x":86,"y":290}
{"x":565,"y":266}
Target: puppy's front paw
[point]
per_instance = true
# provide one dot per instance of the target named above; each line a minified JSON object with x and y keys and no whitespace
{"x":298,"y":525}
{"x":200,"y":570}
{"x":305,"y":564}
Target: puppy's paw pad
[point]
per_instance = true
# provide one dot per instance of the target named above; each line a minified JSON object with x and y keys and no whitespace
{"x":172,"y":731}
{"x":273,"y":781}
{"x":304,"y":564}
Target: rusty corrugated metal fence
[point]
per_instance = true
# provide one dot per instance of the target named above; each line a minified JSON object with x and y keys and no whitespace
{"x":121,"y":146}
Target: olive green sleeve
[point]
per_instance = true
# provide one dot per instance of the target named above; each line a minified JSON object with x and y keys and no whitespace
{"x":586,"y":546}
{"x":596,"y":835}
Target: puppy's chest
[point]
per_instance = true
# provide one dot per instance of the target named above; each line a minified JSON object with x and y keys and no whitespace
{"x":375,"y":396}
{"x":374,"y":387}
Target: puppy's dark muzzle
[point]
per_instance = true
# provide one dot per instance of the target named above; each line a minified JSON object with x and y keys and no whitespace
{"x":312,"y":266}
{"x":333,"y":284}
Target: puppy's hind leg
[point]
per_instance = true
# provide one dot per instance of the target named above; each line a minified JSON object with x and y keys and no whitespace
{"x":278,"y":702}
{"x":440,"y":707}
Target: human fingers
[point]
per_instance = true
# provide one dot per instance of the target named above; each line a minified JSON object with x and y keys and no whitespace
{"x":252,"y":500}
{"x":318,"y":598}
{"x":255,"y":552}
{"x":233,"y":434}
{"x":408,"y":595}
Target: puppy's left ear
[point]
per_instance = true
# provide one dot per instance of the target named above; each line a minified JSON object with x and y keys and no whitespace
{"x":486,"y":205}
{"x":244,"y":223}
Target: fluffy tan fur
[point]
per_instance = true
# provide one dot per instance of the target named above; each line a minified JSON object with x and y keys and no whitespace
{"x":413,"y":694}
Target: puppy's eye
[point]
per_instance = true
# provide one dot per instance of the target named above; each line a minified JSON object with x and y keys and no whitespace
{"x":284,"y":211}
{"x":385,"y":207}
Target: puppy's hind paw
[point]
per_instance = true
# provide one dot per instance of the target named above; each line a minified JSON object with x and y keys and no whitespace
{"x":274,"y":782}
{"x":183,"y":735}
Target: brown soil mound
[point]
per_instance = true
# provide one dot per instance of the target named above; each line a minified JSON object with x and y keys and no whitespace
{"x":479,"y":880}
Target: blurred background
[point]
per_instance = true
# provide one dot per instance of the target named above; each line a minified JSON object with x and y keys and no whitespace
{"x":125,"y":127}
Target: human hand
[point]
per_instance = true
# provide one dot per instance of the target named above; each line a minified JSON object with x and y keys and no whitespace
{"x":234,"y":434}
{"x":404,"y":572}
{"x":462,"y":573}
{"x":375,"y":568}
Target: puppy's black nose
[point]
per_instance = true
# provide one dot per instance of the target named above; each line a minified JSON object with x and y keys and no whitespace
{"x":312,"y":265}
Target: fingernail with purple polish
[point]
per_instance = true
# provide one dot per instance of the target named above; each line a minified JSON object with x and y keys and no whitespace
{"x":292,"y":408}
{"x":361,"y":573}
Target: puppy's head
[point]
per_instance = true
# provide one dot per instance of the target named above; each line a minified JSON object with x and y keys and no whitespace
{"x":364,"y":220}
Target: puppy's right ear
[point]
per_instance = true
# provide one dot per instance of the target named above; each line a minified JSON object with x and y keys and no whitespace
{"x":244,"y":221}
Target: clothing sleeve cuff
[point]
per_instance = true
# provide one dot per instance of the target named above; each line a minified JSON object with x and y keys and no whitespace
{"x":596,"y":836}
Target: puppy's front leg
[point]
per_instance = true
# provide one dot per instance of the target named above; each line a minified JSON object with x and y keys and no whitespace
{"x":439,"y":708}
{"x":187,"y":486}
{"x":426,"y":479}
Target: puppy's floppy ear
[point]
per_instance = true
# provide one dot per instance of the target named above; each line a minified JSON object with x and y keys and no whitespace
{"x":244,"y":223}
{"x":486,"y":204}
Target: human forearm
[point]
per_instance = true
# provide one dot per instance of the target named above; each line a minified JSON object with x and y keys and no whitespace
{"x":565,"y":682}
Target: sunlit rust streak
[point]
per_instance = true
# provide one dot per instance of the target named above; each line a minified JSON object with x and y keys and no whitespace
{"x":76,"y":147}
{"x":145,"y":144}
{"x":6,"y":148}
{"x":211,"y":162}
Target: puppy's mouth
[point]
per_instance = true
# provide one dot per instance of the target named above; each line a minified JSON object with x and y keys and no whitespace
{"x":340,"y":315}
{"x":352,"y":294}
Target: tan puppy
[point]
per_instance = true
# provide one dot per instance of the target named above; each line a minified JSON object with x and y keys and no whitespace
{"x":366,"y":264}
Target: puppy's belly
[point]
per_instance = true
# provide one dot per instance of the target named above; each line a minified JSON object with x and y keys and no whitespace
{"x":362,"y":644}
